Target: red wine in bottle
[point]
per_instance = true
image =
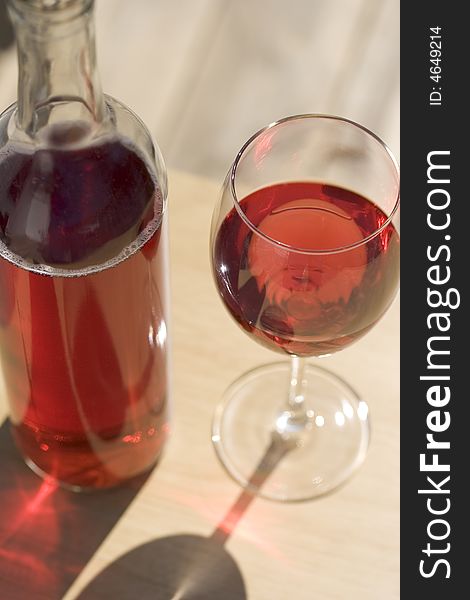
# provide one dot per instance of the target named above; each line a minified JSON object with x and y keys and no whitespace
{"x":306,"y":279}
{"x":82,"y":320}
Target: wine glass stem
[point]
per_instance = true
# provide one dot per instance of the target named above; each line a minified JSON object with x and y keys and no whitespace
{"x":294,"y":422}
{"x":296,"y":388}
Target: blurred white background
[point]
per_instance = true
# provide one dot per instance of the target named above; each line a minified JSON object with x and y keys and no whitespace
{"x":206,"y":74}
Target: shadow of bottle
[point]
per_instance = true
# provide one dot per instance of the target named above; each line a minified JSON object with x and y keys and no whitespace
{"x":47,"y":534}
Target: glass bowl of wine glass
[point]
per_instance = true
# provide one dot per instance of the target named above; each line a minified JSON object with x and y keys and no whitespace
{"x":305,"y":255}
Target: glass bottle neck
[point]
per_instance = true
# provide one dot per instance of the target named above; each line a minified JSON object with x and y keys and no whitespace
{"x":58,"y":79}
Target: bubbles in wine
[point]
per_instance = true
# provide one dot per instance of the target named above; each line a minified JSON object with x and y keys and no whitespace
{"x":127,"y":252}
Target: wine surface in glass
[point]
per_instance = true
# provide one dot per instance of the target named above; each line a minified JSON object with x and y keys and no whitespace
{"x":296,"y":302}
{"x":82,"y":323}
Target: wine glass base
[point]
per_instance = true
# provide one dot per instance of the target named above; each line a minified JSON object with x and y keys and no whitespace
{"x":250,"y":438}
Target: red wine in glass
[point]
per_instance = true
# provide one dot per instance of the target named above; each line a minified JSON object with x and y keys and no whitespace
{"x":306,"y":282}
{"x":82,"y":322}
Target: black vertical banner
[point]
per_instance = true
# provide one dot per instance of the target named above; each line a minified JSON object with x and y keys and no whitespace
{"x":435,"y":432}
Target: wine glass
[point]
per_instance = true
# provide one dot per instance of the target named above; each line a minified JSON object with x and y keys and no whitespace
{"x":305,"y":256}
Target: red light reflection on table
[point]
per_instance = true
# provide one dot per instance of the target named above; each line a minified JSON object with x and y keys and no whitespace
{"x":27,"y":507}
{"x":254,"y":535}
{"x":48,"y":534}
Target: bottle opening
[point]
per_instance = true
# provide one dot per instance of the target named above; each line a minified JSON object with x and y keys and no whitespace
{"x":57,"y":11}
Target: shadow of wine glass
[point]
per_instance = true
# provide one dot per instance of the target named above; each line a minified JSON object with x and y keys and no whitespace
{"x":47,"y":534}
{"x":186,"y":567}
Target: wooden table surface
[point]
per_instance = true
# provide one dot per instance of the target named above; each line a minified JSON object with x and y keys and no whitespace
{"x":344,"y":546}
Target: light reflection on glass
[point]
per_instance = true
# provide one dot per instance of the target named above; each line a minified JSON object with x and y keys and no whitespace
{"x":161,"y":334}
{"x":348,"y":410}
{"x":362,"y":410}
{"x":339,"y":418}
